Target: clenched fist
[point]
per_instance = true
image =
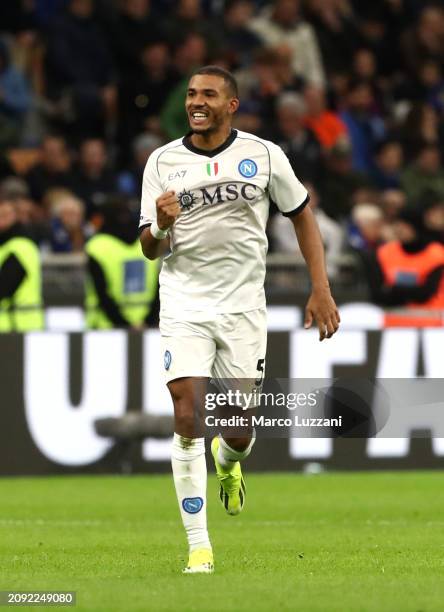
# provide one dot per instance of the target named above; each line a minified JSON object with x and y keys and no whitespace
{"x":168,"y":209}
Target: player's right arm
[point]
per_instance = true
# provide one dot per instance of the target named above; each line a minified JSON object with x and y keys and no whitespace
{"x":158,"y":211}
{"x":152,"y":238}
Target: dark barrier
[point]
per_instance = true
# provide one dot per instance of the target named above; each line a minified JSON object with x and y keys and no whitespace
{"x":55,"y":385}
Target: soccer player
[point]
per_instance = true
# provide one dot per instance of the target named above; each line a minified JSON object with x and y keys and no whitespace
{"x":206,"y":198}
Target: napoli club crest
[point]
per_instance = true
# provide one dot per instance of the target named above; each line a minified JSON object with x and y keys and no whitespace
{"x":192,"y":505}
{"x":248,"y":168}
{"x":167,"y":360}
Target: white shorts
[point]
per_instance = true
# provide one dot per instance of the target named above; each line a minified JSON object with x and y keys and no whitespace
{"x":229,"y":346}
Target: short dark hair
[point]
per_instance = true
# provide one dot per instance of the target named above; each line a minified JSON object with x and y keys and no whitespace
{"x":229,"y":79}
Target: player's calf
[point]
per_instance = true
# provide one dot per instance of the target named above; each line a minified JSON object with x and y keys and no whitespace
{"x":190,"y":474}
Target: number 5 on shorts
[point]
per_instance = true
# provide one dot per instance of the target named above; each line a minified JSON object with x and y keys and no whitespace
{"x":260,"y":368}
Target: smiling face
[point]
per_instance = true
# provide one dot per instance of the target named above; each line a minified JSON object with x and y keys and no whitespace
{"x":209,"y":104}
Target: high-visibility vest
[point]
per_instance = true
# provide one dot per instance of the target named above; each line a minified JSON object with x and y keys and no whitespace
{"x":399,"y":267}
{"x":131,"y":280}
{"x":24,"y":310}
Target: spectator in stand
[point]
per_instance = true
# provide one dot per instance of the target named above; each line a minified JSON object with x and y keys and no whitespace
{"x":364,"y":65}
{"x":424,"y":40}
{"x":189,"y":51}
{"x":282,"y":233}
{"x":281,"y":23}
{"x":188,"y":18}
{"x":388,"y":164}
{"x":365,"y":128}
{"x":134,"y":27}
{"x":365,"y":69}
{"x":142,"y":94}
{"x":68,"y":232}
{"x":249,"y":119}
{"x":427,"y":86}
{"x":270,"y":75}
{"x":392,"y":202}
{"x":298,"y":142}
{"x":432,"y":79}
{"x":433,"y":218}
{"x":129,"y":181}
{"x":79,"y":68}
{"x":366,"y":227}
{"x":325,"y":124}
{"x":424,"y":175}
{"x":15,"y":99}
{"x":335,"y":29}
{"x":189,"y":55}
{"x":340,"y":181}
{"x":420,"y":127}
{"x":53,"y":169}
{"x":92,"y":180}
{"x":364,"y":194}
{"x":241,"y":43}
{"x":122,"y":285}
{"x":283,"y":68}
{"x":258,"y":79}
{"x":18,"y":21}
{"x":408,"y":271}
{"x":21,"y":298}
{"x":337,"y":89}
{"x":379,"y":32}
{"x":29,"y":215}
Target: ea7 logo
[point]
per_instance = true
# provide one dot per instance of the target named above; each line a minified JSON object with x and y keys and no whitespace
{"x":178,"y":174}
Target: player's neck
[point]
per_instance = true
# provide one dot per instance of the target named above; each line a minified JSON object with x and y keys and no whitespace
{"x":211,"y":141}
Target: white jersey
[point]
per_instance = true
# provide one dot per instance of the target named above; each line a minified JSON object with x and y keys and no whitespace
{"x":218,"y":242}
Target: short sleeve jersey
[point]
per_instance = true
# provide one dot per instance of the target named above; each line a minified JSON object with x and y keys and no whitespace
{"x":218,"y":244}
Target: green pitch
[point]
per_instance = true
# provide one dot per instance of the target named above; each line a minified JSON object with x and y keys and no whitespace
{"x":335,"y":542}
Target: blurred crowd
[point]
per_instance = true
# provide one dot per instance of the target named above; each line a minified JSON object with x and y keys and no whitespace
{"x":352,"y":91}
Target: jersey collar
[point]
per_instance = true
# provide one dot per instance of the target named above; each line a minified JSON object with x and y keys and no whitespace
{"x":189,"y":145}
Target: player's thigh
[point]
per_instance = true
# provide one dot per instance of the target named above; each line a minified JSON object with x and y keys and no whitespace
{"x":241,"y":347}
{"x":188,"y":349}
{"x":239,"y":368}
{"x":188,"y":353}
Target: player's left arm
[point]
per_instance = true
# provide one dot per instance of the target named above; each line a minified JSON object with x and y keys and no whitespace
{"x":321,"y":306}
{"x":292,"y":198}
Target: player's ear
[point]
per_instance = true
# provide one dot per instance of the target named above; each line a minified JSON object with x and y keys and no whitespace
{"x":234,"y":105}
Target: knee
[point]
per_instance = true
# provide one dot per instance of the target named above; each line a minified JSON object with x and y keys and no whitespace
{"x":186,"y":417}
